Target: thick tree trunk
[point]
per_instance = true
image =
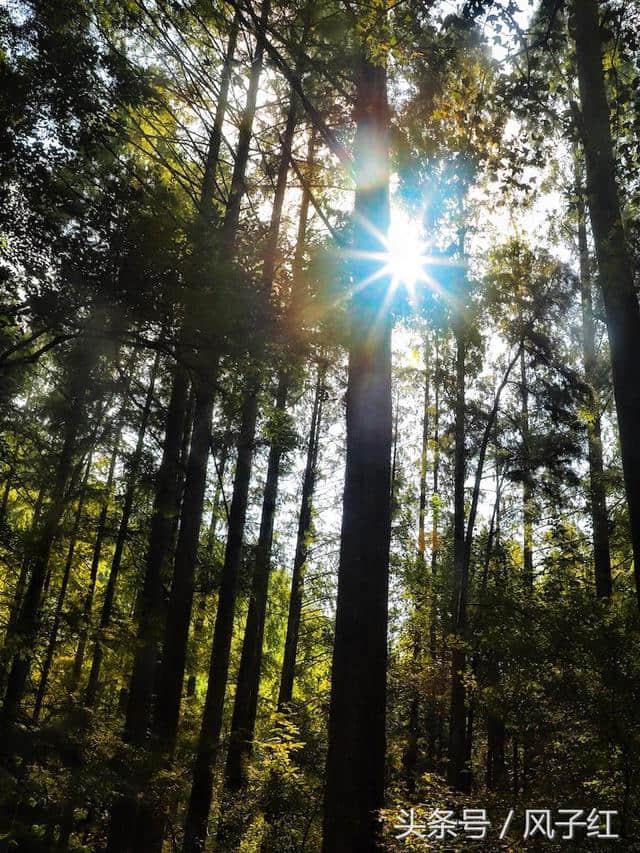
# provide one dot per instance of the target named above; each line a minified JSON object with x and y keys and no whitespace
{"x":614,"y":258}
{"x":597,"y":497}
{"x":354,"y":790}
{"x":287,"y":677}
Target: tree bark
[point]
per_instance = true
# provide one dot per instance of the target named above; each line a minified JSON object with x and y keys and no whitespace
{"x":613,"y":254}
{"x":354,"y":791}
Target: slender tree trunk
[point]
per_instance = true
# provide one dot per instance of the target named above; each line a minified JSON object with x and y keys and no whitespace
{"x":354,"y":790}
{"x":205,"y":581}
{"x":5,"y":496}
{"x":528,"y":510}
{"x":121,"y":537}
{"x":21,"y":582}
{"x":614,"y":258}
{"x":215,"y":138}
{"x":435,"y":709}
{"x":247,"y":687}
{"x":150,"y":609}
{"x":413,"y":724}
{"x":598,"y":500}
{"x":221,"y":468}
{"x":165,"y":725}
{"x":202,"y":786}
{"x":28,"y":621}
{"x":53,"y":635}
{"x":287,"y":677}
{"x":246,"y":697}
{"x":457,"y":772}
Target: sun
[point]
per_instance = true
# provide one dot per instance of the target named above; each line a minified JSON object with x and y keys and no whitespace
{"x":406,"y":258}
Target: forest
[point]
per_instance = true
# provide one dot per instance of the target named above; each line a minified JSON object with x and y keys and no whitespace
{"x":319,"y":425}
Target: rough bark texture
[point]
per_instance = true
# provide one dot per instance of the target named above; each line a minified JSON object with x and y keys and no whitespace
{"x":354,"y":790}
{"x":614,"y":259}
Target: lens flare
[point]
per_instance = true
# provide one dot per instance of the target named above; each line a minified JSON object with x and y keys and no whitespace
{"x":406,"y":259}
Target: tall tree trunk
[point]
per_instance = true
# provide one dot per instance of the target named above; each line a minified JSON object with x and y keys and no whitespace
{"x":287,"y":677}
{"x":28,"y":621}
{"x":221,"y":468}
{"x":215,"y":138}
{"x":246,"y":698}
{"x":195,"y":831}
{"x":457,"y":771}
{"x":150,"y":609}
{"x":597,"y":497}
{"x":247,"y":687}
{"x":20,"y":586}
{"x":53,"y":635}
{"x":354,"y":790}
{"x":435,"y":709}
{"x":614,"y":258}
{"x":121,"y":537}
{"x":528,"y":510}
{"x":205,"y":581}
{"x":413,"y":723}
{"x":174,"y":647}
